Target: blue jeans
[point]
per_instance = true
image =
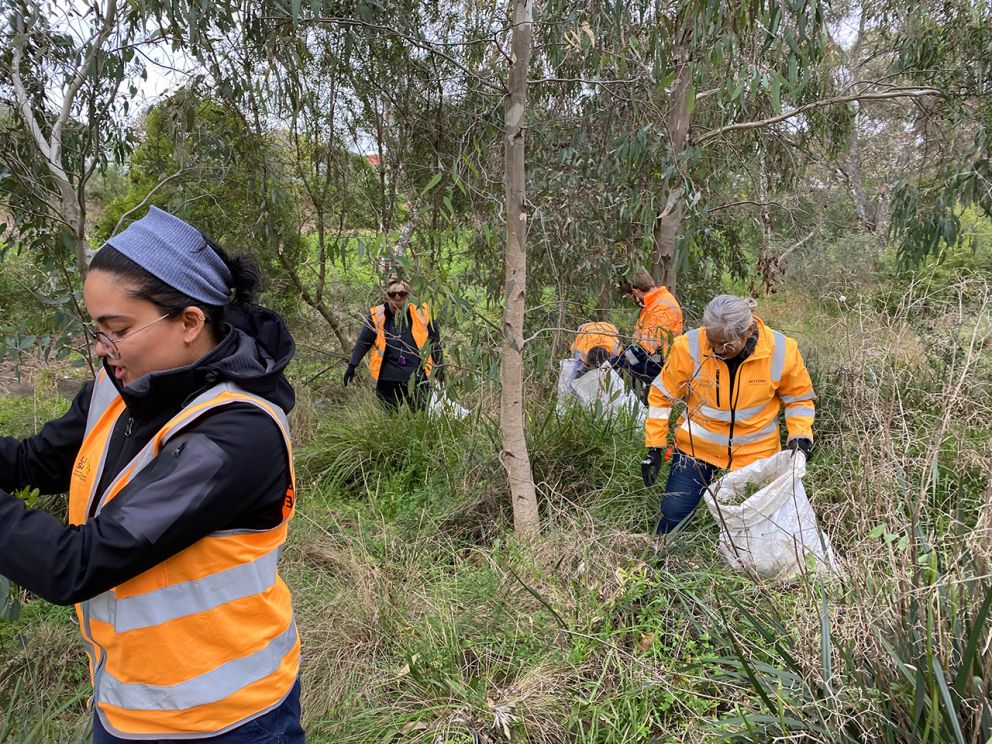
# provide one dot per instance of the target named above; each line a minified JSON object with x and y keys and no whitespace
{"x":687,"y":481}
{"x":279,"y":726}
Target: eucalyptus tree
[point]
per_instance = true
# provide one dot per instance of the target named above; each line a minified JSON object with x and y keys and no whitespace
{"x":946,"y":45}
{"x":62,"y":70}
{"x":646,"y":91}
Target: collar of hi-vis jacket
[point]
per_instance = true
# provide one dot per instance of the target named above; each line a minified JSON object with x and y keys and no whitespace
{"x":655,"y":296}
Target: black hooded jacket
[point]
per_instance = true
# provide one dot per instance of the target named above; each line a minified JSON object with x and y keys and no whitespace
{"x":226,"y":470}
{"x":400,"y":344}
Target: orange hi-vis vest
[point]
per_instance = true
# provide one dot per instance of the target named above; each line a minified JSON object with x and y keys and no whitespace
{"x":660,"y":321}
{"x":204,"y":641}
{"x":591,"y":335}
{"x":731,"y":428}
{"x":421,"y":318}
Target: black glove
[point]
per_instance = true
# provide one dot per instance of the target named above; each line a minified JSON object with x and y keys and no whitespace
{"x":651,"y":465}
{"x":349,"y":374}
{"x":437,"y":374}
{"x":804,"y":444}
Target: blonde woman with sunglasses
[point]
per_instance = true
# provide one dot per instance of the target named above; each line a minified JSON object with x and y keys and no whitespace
{"x":404,"y":349}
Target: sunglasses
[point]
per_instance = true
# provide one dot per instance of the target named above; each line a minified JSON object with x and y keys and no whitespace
{"x":397,"y":295}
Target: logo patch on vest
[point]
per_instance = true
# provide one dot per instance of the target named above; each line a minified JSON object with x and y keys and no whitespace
{"x":760,"y":381}
{"x":82,"y":469}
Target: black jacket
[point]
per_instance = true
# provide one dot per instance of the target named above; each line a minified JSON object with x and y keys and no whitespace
{"x":400,"y":345}
{"x":226,"y":470}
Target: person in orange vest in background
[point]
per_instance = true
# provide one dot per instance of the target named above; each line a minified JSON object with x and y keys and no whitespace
{"x":405,"y":347}
{"x":178,"y":463}
{"x":600,"y":336}
{"x":659,"y":322}
{"x":734,"y":375}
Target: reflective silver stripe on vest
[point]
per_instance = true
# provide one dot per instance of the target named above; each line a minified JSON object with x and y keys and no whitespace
{"x":718,"y":414}
{"x":187,"y":598}
{"x":670,"y":301}
{"x":798,"y":398}
{"x":631,"y":357}
{"x":210,"y":687}
{"x":660,"y":387}
{"x":700,"y":432}
{"x":800,"y":411}
{"x":659,"y":413}
{"x":778,"y":356}
{"x":182,"y":420}
{"x":695,"y":351}
{"x":104,"y":395}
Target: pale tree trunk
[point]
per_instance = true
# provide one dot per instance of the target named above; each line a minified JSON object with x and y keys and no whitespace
{"x":768,"y":265}
{"x":393,"y":259}
{"x":669,"y":223}
{"x":515,"y":457}
{"x":848,"y":168}
{"x":907,"y":155}
{"x":852,"y":176}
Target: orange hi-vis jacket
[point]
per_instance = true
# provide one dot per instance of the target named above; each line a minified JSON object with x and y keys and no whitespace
{"x":204,"y":641}
{"x":731,"y":428}
{"x":591,"y":335}
{"x":421,"y":318}
{"x":660,"y":321}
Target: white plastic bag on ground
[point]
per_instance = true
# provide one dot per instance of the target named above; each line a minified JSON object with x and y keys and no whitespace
{"x":570,"y":369}
{"x":605,"y":388}
{"x":439,"y":404}
{"x":773,"y":532}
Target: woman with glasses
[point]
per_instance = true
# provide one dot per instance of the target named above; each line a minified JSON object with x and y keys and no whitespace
{"x":405,"y":348}
{"x":178,"y":464}
{"x":733,"y":375}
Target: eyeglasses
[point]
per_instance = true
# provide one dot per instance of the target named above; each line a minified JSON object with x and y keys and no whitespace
{"x":111,"y":340}
{"x":397,"y":295}
{"x":729,"y":348}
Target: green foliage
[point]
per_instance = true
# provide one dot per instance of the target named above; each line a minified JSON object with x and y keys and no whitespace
{"x":410,"y":468}
{"x":944,"y":46}
{"x":22,"y":417}
{"x":201,"y":149}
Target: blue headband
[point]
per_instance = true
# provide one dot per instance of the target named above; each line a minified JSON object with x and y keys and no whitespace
{"x":176,"y":253}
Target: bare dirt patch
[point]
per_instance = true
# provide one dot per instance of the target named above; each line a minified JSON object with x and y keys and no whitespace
{"x":31,"y":375}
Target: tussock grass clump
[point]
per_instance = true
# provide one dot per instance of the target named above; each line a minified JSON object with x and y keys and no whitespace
{"x":581,"y":460}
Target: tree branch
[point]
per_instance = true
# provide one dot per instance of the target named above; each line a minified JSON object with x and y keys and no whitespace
{"x":418,"y":43}
{"x":710,"y":210}
{"x":80,"y":77}
{"x":24,"y":102}
{"x":793,"y":247}
{"x":144,"y":201}
{"x":894,"y":93}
